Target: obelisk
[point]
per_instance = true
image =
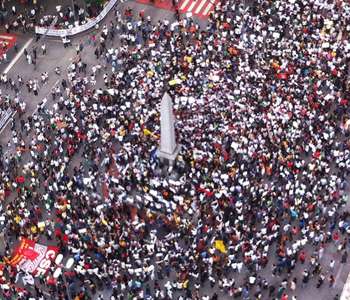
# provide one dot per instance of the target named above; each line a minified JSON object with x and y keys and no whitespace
{"x":168,"y":147}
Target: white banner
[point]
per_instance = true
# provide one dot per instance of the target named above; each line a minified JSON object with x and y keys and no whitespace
{"x":77,"y":29}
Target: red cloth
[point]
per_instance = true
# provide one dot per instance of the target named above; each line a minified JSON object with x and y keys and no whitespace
{"x":58,"y":232}
{"x":283,"y":76}
{"x":317,"y":154}
{"x":335,"y":236}
{"x":65,"y":238}
{"x":284,"y":297}
{"x":51,"y":281}
{"x":344,"y":102}
{"x":208,"y":193}
{"x":217,"y":146}
{"x":226,"y":25}
{"x":20,"y":179}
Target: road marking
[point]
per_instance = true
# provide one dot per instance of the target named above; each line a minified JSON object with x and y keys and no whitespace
{"x":191,"y":6}
{"x":184,"y":4}
{"x":17,"y":57}
{"x":208,"y":8}
{"x":200,"y":6}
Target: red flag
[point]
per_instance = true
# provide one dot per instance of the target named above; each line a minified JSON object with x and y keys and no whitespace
{"x":30,"y":253}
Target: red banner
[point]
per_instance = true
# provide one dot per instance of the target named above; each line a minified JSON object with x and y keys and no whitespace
{"x":33,"y":258}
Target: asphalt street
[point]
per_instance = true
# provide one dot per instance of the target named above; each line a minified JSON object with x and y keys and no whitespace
{"x":57,"y":55}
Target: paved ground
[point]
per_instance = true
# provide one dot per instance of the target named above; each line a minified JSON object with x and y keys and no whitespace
{"x":59,"y":56}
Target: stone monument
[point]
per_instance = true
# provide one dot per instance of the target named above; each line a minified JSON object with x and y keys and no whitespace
{"x":168,"y":147}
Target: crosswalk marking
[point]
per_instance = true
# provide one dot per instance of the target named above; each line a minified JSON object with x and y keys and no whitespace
{"x":191,"y":6}
{"x":199,"y":7}
{"x":207,"y":9}
{"x":184,"y":4}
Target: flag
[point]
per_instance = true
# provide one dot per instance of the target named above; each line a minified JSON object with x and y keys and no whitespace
{"x":219,"y":245}
{"x":147,"y":132}
{"x":30,"y":253}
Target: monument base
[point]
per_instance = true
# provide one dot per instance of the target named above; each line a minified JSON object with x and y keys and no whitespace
{"x":171,"y":157}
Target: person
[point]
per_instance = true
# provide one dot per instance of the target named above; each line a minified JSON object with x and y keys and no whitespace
{"x":344,"y":257}
{"x":58,"y":71}
{"x":35,"y":87}
{"x":302,"y":257}
{"x":284,"y":297}
{"x":66,"y":42}
{"x":293,"y":284}
{"x":43,"y":48}
{"x":306,"y":276}
{"x":34,"y":53}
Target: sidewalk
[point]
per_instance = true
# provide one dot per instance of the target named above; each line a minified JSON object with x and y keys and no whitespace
{"x":346,"y":291}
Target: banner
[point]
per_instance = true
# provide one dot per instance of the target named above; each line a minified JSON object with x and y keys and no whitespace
{"x":33,"y":258}
{"x":76,"y":29}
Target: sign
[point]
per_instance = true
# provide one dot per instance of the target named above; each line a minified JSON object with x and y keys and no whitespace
{"x":33,"y":258}
{"x":77,"y":29}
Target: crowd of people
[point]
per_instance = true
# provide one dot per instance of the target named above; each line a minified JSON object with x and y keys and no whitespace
{"x":17,"y":18}
{"x":260,"y":183}
{"x":69,"y":16}
{"x":10,"y":101}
